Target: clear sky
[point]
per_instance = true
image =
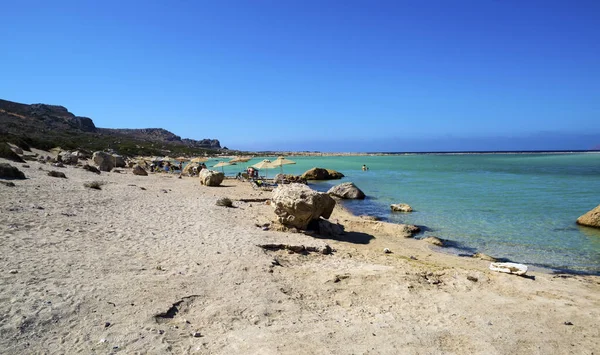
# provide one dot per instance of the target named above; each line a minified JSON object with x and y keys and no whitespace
{"x":317,"y":75}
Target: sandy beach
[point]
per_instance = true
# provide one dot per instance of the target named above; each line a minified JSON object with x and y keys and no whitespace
{"x":151,"y":265}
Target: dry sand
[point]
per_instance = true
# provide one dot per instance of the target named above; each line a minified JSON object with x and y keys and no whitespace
{"x":90,"y":271}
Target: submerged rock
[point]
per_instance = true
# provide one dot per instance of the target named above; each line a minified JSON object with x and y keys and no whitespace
{"x":401,"y":207}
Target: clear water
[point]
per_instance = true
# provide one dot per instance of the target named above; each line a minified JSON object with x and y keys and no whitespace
{"x":521,"y":207}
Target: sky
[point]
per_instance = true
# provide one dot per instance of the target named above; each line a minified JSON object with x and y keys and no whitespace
{"x":308,"y":75}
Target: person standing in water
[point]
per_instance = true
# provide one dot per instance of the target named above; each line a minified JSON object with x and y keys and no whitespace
{"x":364,"y":167}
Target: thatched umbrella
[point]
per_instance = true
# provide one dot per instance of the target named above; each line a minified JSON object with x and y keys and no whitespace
{"x":281,"y":161}
{"x":265,"y":164}
{"x":222,"y":164}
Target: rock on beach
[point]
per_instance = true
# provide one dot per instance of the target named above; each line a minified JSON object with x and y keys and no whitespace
{"x":296,"y":205}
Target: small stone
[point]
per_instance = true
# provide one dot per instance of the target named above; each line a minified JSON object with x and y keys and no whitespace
{"x":160,"y":331}
{"x":387,"y":250}
{"x":568,"y":323}
{"x":472,"y":278}
{"x":102,"y":340}
{"x":13,"y":271}
{"x":413,"y":258}
{"x":434,"y":240}
{"x":196,"y":334}
{"x":107,"y":324}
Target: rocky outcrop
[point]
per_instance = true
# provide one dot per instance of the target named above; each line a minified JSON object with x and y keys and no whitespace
{"x":401,"y":207}
{"x":334,"y":175}
{"x":347,"y":190}
{"x":296,"y":205}
{"x":138,"y":170}
{"x":104,"y":161}
{"x":67,"y":158}
{"x":119,"y":161}
{"x":211,"y":177}
{"x":590,"y":219}
{"x":7,"y":153}
{"x":321,"y":174}
{"x":8,"y":171}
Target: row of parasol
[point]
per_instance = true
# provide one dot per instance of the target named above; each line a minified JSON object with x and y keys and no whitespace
{"x":264,"y":164}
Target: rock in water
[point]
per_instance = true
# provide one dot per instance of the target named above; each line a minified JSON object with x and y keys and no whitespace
{"x":211,"y":177}
{"x":347,"y":190}
{"x":321,"y":174}
{"x":401,"y":207}
{"x":8,"y":171}
{"x":296,"y":205}
{"x":104,"y":161}
{"x":138,"y":170}
{"x":590,"y":219}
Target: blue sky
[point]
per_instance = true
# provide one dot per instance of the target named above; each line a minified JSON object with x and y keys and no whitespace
{"x":317,"y":75}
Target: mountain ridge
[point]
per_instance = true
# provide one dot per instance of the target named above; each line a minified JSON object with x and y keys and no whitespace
{"x":45,"y":124}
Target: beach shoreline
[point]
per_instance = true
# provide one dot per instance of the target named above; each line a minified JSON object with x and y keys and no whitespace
{"x":101,"y":270}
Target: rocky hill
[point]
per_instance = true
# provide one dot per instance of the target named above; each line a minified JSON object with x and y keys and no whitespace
{"x":46,"y":126}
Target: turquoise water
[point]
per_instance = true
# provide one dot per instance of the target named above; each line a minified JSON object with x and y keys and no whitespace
{"x":521,"y":207}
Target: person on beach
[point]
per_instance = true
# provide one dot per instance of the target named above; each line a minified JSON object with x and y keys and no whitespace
{"x":364,"y":167}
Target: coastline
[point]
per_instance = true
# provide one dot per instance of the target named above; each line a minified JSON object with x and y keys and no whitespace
{"x":76,"y":259}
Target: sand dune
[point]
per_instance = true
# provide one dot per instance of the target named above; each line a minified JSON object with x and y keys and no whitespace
{"x":152,"y":265}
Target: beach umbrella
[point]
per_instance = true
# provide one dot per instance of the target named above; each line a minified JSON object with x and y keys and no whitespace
{"x":281,"y":161}
{"x":222,"y":164}
{"x":265,"y":164}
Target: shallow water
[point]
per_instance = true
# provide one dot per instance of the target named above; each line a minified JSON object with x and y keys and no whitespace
{"x":520,"y":207}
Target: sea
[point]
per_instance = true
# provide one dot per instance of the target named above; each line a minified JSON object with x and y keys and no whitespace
{"x":520,"y":207}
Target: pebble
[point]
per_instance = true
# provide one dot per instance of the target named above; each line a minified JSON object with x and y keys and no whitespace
{"x":13,"y":271}
{"x":472,"y":278}
{"x":196,"y":334}
{"x":387,"y":250}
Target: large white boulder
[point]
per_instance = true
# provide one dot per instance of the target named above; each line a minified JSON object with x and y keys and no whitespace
{"x":105,"y":161}
{"x":211,"y":177}
{"x":297,"y":204}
